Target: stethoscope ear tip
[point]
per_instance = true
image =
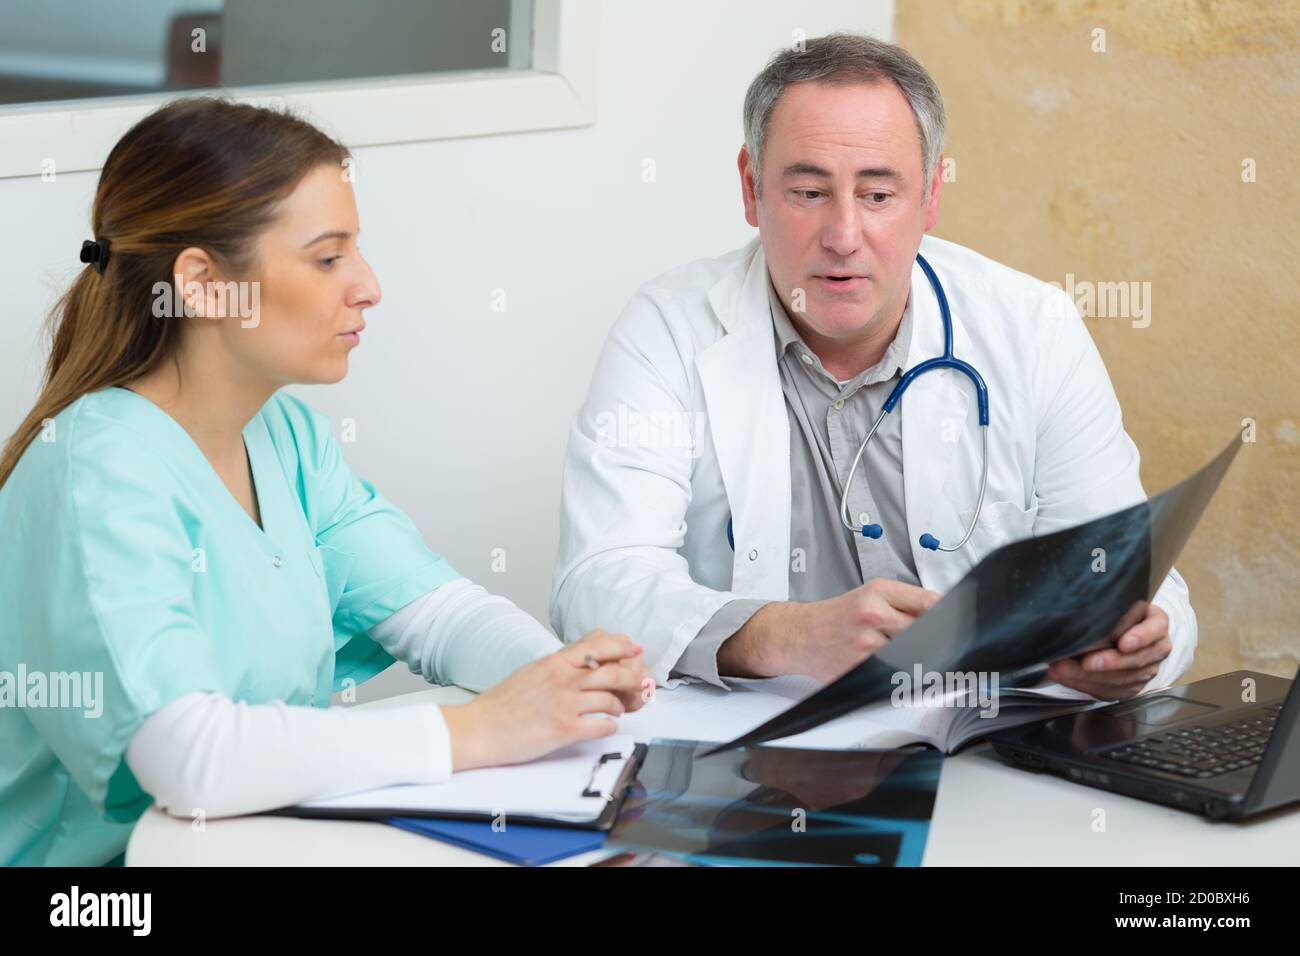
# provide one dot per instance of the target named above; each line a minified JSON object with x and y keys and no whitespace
{"x":930,"y":542}
{"x":872,"y":531}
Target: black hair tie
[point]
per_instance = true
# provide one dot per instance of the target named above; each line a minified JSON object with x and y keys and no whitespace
{"x":96,"y":254}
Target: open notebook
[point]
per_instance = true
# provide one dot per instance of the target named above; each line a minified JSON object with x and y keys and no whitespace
{"x":578,"y":785}
{"x":704,"y":712}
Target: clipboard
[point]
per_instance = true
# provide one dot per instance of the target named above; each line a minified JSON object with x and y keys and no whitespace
{"x":604,"y":822}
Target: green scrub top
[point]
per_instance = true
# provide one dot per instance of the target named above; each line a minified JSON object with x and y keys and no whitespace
{"x":127,"y":565}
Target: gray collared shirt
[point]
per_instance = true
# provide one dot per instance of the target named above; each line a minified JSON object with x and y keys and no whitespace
{"x":828,"y":421}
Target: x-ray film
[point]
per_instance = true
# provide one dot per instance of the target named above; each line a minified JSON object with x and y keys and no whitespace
{"x":1027,"y":604}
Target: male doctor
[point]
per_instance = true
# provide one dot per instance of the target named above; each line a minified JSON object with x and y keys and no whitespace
{"x":701,"y":491}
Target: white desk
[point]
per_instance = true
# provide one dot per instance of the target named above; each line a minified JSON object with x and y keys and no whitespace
{"x":987,"y":814}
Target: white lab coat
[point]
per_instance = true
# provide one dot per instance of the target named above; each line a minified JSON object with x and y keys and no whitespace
{"x":643,"y":541}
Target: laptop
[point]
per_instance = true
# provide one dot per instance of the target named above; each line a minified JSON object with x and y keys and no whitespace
{"x":1199,"y":747}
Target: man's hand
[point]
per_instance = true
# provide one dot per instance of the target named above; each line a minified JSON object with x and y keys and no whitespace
{"x":1119,"y":672}
{"x":823,"y":638}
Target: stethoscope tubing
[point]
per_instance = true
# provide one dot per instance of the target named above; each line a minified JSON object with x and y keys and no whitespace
{"x":947,"y":360}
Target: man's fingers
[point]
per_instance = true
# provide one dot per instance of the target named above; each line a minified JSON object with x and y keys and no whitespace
{"x":889,"y":620}
{"x":1071,"y":670}
{"x":1104,"y":691}
{"x":1147,"y":631}
{"x":1099,"y":662}
{"x":1136,"y":613}
{"x":907,"y":598}
{"x":1069,"y":673}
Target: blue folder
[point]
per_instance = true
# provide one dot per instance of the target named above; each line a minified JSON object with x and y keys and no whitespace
{"x":517,"y":843}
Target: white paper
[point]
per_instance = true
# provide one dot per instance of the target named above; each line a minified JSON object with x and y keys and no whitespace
{"x":550,"y":786}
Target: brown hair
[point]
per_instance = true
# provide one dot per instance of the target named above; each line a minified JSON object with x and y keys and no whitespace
{"x":199,"y":171}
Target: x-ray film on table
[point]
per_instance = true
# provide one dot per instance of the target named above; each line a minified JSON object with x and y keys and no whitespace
{"x":853,"y":808}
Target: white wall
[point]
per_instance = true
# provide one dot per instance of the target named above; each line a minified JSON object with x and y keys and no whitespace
{"x":462,"y":412}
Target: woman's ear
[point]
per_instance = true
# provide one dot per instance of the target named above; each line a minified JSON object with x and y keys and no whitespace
{"x":193,"y":271}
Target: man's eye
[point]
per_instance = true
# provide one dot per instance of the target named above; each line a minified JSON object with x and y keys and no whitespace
{"x":807,"y":193}
{"x":878,"y":197}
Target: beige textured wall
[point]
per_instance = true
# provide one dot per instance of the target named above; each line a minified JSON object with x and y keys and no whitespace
{"x":1126,"y":166}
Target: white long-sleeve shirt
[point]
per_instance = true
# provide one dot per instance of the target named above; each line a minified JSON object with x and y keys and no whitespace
{"x":205,"y":753}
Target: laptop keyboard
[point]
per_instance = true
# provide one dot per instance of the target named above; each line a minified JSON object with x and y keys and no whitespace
{"x":1203,"y":751}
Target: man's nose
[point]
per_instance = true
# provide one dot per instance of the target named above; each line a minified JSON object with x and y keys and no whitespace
{"x":843,"y":233}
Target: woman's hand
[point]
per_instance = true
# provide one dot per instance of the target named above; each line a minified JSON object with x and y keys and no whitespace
{"x":541,"y":706}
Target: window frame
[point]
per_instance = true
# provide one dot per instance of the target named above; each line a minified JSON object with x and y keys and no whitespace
{"x":557,"y":92}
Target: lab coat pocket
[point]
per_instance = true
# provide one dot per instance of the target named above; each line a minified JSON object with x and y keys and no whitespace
{"x":1000,"y":523}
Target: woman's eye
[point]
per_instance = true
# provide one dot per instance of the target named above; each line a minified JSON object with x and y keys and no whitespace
{"x":329,"y":262}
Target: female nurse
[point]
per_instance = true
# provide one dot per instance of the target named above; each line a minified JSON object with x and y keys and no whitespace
{"x":189,"y":568}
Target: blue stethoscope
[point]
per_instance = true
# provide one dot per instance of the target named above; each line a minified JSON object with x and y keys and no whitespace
{"x":947,"y":360}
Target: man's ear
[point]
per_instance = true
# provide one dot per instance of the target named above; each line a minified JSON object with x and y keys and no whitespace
{"x":932,"y":201}
{"x":748,"y":189}
{"x":192,"y":271}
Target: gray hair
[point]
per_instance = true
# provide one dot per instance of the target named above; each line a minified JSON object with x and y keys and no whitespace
{"x":846,"y":58}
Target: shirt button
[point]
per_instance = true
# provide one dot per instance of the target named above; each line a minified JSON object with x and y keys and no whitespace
{"x":864,"y":518}
{"x":313,"y":700}
{"x":276,"y":561}
{"x":805,"y":358}
{"x":839,"y":404}
{"x":753,"y":555}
